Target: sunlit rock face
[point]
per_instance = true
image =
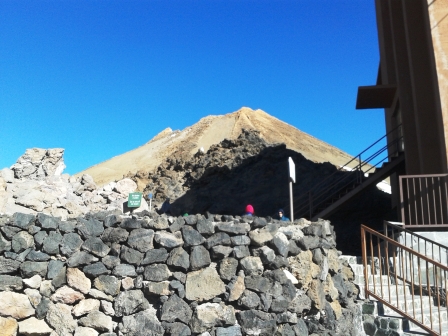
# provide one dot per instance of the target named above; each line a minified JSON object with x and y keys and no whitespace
{"x":35,"y":184}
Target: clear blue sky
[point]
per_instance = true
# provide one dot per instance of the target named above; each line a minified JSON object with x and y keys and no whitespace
{"x":100,"y":78}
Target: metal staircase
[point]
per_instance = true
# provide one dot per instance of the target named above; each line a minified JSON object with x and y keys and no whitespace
{"x":406,"y":276}
{"x":328,"y":195}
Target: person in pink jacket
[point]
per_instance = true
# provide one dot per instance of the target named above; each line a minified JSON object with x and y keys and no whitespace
{"x":249,"y":210}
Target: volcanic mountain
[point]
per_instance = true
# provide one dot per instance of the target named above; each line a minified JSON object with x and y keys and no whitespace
{"x":209,"y":131}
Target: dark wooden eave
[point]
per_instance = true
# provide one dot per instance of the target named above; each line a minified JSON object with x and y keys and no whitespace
{"x":375,"y":96}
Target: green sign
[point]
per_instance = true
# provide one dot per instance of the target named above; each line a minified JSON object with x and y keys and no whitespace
{"x":134,"y":200}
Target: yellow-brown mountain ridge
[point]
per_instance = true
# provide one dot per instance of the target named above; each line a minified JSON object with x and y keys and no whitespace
{"x":209,"y":131}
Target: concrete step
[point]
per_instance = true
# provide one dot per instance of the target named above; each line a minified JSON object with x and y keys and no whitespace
{"x":407,"y":325}
{"x":407,"y":305}
{"x":391,"y":291}
{"x":385,"y":314}
{"x":372,"y":279}
{"x":411,"y":327}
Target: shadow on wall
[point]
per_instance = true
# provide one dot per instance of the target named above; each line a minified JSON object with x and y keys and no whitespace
{"x":263,"y":181}
{"x":370,"y":208}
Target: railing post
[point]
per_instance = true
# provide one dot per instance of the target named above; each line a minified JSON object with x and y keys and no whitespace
{"x":364,"y":260}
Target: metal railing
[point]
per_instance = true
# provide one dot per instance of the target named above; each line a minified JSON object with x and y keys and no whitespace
{"x":341,"y":180}
{"x":422,"y":245}
{"x":424,"y":200}
{"x":407,"y":281}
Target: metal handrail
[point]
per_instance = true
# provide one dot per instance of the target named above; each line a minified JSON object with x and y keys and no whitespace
{"x":323,"y":192}
{"x":358,"y":157}
{"x":416,"y":238}
{"x":424,"y":200}
{"x":407,"y":271}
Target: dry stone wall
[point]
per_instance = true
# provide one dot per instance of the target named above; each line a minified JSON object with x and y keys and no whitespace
{"x":147,"y":274}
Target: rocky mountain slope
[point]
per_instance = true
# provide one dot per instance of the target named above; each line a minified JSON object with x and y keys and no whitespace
{"x":249,"y":170}
{"x":210,"y":131}
{"x":231,"y":174}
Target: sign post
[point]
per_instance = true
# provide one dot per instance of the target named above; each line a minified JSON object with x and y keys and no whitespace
{"x":150,"y":199}
{"x":292,"y":179}
{"x":134,"y":200}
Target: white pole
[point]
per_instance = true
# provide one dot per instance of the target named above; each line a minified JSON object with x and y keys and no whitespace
{"x":292,"y":179}
{"x":150,"y":204}
{"x":290,"y":202}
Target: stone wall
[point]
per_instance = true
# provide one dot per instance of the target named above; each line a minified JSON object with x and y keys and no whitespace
{"x":145,"y":274}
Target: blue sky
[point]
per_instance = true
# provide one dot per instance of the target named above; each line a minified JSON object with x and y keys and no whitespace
{"x":100,"y":78}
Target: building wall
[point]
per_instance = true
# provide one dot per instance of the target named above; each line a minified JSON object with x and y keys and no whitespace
{"x":438,"y":16}
{"x":408,"y":62}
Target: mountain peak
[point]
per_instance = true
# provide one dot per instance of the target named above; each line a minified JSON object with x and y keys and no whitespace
{"x":209,"y":131}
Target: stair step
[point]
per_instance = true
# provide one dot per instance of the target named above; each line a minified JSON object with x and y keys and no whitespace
{"x":377,"y":279}
{"x":406,"y":302}
{"x":419,"y":309}
{"x":408,"y":326}
{"x":392,"y":291}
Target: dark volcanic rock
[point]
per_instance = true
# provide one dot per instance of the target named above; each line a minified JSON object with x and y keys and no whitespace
{"x":219,"y":252}
{"x":54,"y":268}
{"x":176,"y":329}
{"x":179,"y":258}
{"x":22,"y":220}
{"x":131,"y":256}
{"x":67,"y":226}
{"x":10,"y":231}
{"x":257,"y":322}
{"x":115,"y":235}
{"x":124,"y":270}
{"x":51,"y":243}
{"x":139,"y":324}
{"x":155,"y":256}
{"x":220,"y":238}
{"x":233,"y":228}
{"x":110,"y":261}
{"x":130,"y":302}
{"x":141,"y":239}
{"x":37,"y":256}
{"x":131,"y":223}
{"x":71,"y":242}
{"x":205,"y":226}
{"x":199,"y":257}
{"x":90,"y":227}
{"x":258,"y":283}
{"x":176,"y":309}
{"x":178,"y":224}
{"x":249,"y":300}
{"x":191,"y":236}
{"x":240,"y":240}
{"x":5,"y":245}
{"x":111,"y":220}
{"x":157,"y":272}
{"x":95,"y":269}
{"x":10,"y":283}
{"x":48,"y":222}
{"x":31,"y":268}
{"x":96,"y":246}
{"x":81,"y":258}
{"x":39,"y":238}
{"x":191,"y":219}
{"x":107,"y":284}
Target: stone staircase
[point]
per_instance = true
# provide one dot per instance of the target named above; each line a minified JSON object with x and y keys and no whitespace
{"x":386,"y":320}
